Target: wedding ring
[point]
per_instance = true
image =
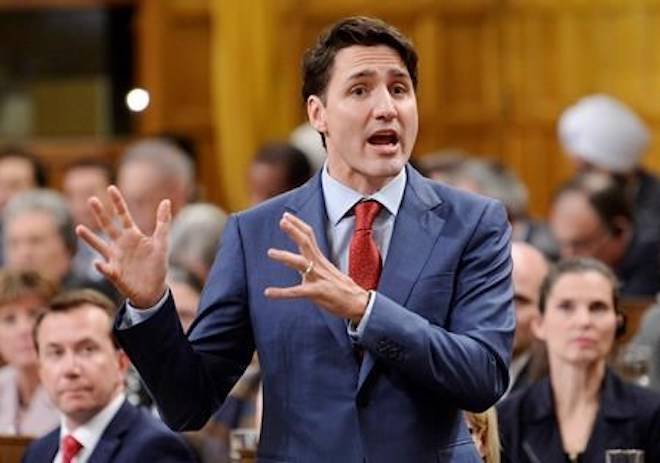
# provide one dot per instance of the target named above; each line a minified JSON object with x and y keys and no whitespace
{"x":307,"y":270}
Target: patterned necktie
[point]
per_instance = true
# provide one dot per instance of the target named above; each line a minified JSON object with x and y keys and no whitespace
{"x":364,"y":262}
{"x":70,"y":448}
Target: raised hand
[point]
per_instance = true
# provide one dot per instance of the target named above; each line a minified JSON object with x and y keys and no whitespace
{"x":321,"y":281}
{"x":135,"y":263}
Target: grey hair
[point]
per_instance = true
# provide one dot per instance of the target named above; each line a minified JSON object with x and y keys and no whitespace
{"x":494,"y":180}
{"x":195,"y":234}
{"x":167,"y":158}
{"x":48,"y":201}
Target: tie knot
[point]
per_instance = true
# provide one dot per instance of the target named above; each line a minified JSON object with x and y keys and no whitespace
{"x":70,"y":448}
{"x":365,"y":214}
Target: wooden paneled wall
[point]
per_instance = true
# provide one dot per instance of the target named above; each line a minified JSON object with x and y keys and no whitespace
{"x":494,"y":74}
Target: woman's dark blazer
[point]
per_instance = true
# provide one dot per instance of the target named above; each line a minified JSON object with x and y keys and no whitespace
{"x":628,"y":417}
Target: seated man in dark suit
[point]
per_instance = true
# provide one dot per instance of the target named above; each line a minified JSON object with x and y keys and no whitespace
{"x":83,"y":372}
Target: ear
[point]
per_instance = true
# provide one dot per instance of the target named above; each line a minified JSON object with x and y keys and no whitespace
{"x":538,"y":328}
{"x":124,"y":362}
{"x":621,"y":228}
{"x":316,"y":114}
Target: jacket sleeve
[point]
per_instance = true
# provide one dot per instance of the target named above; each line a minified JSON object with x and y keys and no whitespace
{"x":189,"y":378}
{"x":466,"y":358}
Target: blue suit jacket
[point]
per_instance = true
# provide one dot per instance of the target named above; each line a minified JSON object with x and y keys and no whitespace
{"x":132,"y":436}
{"x":438,"y":340}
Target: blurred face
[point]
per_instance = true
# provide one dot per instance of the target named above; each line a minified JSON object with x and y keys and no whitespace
{"x":143,"y":191}
{"x":33,"y":242}
{"x":478,"y":435}
{"x":529,"y":268}
{"x":368,"y":116}
{"x":79,"y":366}
{"x":16,"y":176}
{"x":265,"y":181}
{"x":580,"y":232}
{"x":81,"y":183}
{"x":579,"y":322}
{"x":16,"y":323}
{"x":187,"y":300}
{"x":144,"y":188}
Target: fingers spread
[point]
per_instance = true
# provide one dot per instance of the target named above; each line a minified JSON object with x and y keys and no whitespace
{"x":301,"y":233}
{"x":94,"y":241}
{"x":120,"y":207}
{"x":290,"y":259}
{"x":103,"y":219}
{"x":292,"y":292}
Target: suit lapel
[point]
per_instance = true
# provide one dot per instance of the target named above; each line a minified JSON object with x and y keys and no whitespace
{"x":107,"y":446}
{"x":416,"y":230}
{"x":308,"y":205}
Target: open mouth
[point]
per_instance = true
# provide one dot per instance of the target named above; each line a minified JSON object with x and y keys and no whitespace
{"x":384,"y":138}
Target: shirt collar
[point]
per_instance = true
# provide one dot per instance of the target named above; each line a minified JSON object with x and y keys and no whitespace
{"x":90,"y":433}
{"x":339,"y":198}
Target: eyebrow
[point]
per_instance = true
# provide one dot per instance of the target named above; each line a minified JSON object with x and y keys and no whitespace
{"x":371,"y":73}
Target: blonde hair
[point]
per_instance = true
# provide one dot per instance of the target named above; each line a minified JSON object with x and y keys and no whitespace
{"x":484,"y":426}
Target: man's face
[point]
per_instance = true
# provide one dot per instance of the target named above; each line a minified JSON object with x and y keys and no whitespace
{"x":33,"y":242}
{"x":369,"y":116}
{"x":529,"y":269}
{"x":16,"y":176}
{"x":580,"y":232}
{"x":80,"y":368}
{"x":80,"y":183}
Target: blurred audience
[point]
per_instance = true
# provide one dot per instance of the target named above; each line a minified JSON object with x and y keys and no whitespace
{"x":528,"y":362}
{"x":309,"y":141}
{"x":647,"y":339}
{"x":583,"y":408}
{"x":491,"y":178}
{"x":24,"y":405}
{"x":83,"y":179}
{"x":484,"y":432}
{"x":20,"y":171}
{"x":83,"y":371}
{"x":195,"y":238}
{"x":151,"y":170}
{"x":601,"y":133}
{"x":591,"y":216}
{"x":40,"y":236}
{"x":186,"y":289}
{"x":275,"y":169}
{"x":442,"y":166}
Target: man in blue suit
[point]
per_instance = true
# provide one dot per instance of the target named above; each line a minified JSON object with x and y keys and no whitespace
{"x":379,"y":302}
{"x":83,"y":372}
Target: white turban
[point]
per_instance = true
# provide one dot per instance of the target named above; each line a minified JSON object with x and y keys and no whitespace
{"x":604,"y":132}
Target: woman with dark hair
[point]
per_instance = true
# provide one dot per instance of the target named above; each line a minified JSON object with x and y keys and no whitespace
{"x":582,"y":408}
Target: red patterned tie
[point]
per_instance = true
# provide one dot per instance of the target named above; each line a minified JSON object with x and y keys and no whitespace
{"x":70,"y":448}
{"x":364,"y":263}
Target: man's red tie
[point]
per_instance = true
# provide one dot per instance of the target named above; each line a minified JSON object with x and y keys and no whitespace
{"x":364,"y":262}
{"x":70,"y":448}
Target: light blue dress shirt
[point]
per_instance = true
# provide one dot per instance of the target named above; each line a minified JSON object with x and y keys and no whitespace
{"x":339,"y":202}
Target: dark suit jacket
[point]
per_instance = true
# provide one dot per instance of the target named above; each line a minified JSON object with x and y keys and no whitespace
{"x":438,"y":340}
{"x":628,"y":417}
{"x":132,"y":436}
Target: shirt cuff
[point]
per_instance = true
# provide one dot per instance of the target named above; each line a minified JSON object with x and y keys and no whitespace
{"x":134,"y":316}
{"x":355,"y":332}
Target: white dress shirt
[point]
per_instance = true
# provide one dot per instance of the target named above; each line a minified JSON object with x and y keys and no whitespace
{"x":90,"y":433}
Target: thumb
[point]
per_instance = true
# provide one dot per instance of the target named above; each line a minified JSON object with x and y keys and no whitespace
{"x":163,"y":220}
